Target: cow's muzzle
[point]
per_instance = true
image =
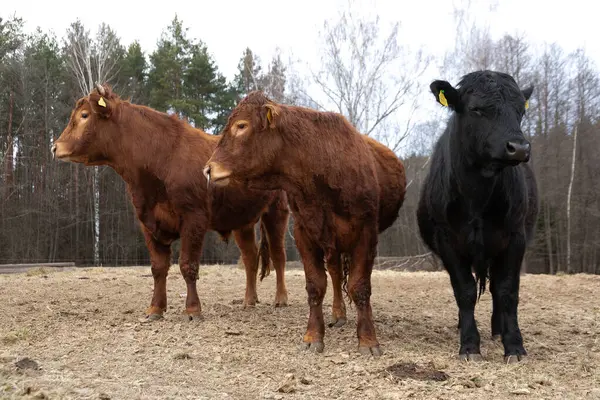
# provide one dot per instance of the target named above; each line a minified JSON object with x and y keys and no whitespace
{"x":518,"y":150}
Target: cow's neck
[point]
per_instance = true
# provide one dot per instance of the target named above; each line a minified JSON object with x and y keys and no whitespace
{"x":473,"y":188}
{"x":140,"y":151}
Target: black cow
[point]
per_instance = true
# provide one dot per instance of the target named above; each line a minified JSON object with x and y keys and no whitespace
{"x":479,"y":203}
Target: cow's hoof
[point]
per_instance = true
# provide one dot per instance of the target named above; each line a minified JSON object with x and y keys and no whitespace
{"x":281,"y":300}
{"x":337,"y":323}
{"x":374,"y":351}
{"x":151,"y":318}
{"x":193,"y":313}
{"x":313,"y":347}
{"x":154,"y":313}
{"x":251,"y":303}
{"x":470,"y":357}
{"x":514,"y":358}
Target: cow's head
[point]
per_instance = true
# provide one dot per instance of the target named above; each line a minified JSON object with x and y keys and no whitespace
{"x":89,"y":133}
{"x":250,"y":143}
{"x":489,"y":107}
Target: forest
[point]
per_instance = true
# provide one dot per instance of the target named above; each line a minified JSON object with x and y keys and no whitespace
{"x":52,"y":211}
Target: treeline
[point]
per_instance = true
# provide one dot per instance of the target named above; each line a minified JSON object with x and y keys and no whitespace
{"x":52,"y":211}
{"x":563,"y":124}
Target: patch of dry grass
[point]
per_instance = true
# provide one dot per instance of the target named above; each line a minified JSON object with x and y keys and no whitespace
{"x":84,"y":330}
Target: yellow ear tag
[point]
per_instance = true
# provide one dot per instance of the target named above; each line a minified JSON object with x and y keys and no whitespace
{"x":442,"y":98}
{"x":102,"y":102}
{"x":526,"y":104}
{"x":269,"y":115}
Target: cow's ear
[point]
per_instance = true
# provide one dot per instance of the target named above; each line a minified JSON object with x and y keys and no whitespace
{"x":101,"y":105}
{"x":271,"y":114}
{"x":527,"y":94}
{"x":445,"y":94}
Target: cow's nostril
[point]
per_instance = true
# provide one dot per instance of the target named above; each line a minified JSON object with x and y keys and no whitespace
{"x":510,"y":148}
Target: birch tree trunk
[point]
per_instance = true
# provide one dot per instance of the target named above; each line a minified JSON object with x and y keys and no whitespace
{"x":570,"y":191}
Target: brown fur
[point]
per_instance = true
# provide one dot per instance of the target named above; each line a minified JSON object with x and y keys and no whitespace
{"x":330,"y":176}
{"x":392,"y":188}
{"x":161,"y":158}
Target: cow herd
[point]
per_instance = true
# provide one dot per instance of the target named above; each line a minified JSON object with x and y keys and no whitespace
{"x":476,"y":212}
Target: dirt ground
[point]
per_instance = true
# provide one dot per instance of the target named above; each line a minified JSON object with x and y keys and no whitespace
{"x":79,"y":334}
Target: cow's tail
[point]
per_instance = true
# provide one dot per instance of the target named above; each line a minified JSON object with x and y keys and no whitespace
{"x":481,"y":275}
{"x":480,"y":264}
{"x":345,"y":263}
{"x":264,"y":253}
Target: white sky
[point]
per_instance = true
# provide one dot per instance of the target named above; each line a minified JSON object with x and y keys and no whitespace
{"x":227,"y":27}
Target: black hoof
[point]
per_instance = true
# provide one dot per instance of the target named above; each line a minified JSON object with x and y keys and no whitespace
{"x":470,"y":357}
{"x":514,"y":358}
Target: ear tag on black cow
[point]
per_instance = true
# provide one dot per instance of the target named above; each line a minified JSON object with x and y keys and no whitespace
{"x":101,"y":102}
{"x":442,"y":98}
{"x":269,"y":115}
{"x":526,"y":104}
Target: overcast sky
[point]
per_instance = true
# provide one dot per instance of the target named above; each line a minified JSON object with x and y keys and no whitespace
{"x":227,"y":27}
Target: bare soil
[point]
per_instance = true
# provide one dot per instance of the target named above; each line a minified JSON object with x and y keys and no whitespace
{"x":80,"y":334}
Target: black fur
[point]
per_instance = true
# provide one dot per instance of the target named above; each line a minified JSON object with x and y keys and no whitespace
{"x":478,"y":204}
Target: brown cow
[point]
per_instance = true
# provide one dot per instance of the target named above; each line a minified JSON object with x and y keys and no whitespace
{"x":161,"y":157}
{"x":328,"y":172}
{"x":392,"y":188}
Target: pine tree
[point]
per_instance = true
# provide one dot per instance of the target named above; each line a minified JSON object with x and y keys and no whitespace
{"x":185,"y":79}
{"x":168,"y":64}
{"x":249,"y":76}
{"x":133,"y":74}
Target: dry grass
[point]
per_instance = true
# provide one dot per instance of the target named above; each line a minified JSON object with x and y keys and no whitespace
{"x":82,"y":333}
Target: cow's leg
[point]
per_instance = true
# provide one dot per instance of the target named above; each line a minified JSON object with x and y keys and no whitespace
{"x":193,"y":231}
{"x":338,"y":309}
{"x":316,"y":286}
{"x":245,"y":238}
{"x":160,"y":259}
{"x":275,"y":222}
{"x":359,"y":288}
{"x":496,"y":314}
{"x":506,"y":276}
{"x":465,"y":293}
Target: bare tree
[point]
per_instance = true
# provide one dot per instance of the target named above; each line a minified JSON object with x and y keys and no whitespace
{"x":474,"y":48}
{"x":570,"y":191}
{"x":367,"y":76}
{"x":275,"y":78}
{"x":93,"y":62}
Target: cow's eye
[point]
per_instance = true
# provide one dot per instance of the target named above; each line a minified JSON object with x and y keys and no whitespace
{"x":84,"y":115}
{"x":241,"y":125}
{"x":476,"y":110}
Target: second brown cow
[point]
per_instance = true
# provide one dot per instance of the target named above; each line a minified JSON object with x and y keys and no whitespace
{"x":330,"y":176}
{"x":161,"y":158}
